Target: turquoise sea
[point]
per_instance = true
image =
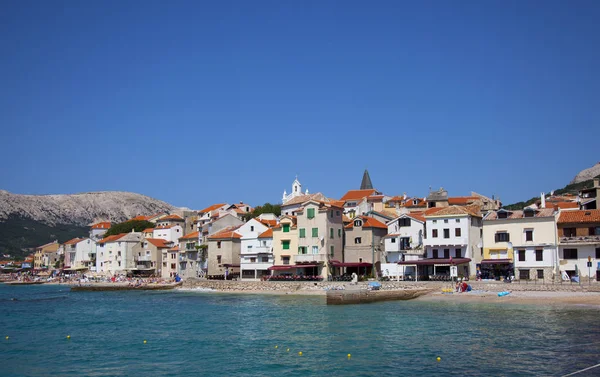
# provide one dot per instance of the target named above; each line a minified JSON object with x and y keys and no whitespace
{"x":215,"y":334}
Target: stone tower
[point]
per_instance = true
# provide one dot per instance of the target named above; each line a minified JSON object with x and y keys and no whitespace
{"x":366,"y":181}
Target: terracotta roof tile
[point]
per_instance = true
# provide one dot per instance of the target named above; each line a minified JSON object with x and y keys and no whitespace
{"x":462,"y":200}
{"x":579,"y":216}
{"x":172,"y":218}
{"x":74,"y":241}
{"x":148,"y":230}
{"x":266,"y":234}
{"x":174,"y":248}
{"x":111,"y":238}
{"x":417,"y":216}
{"x":213,"y":207}
{"x":191,"y":236}
{"x":102,"y":225}
{"x":269,"y":223}
{"x":518,"y":214}
{"x":564,"y":205}
{"x":140,"y":218}
{"x":304,"y":198}
{"x":368,"y":222}
{"x":346,"y":219}
{"x":227,"y":233}
{"x":456,"y":210}
{"x":159,"y":242}
{"x":357,"y":194}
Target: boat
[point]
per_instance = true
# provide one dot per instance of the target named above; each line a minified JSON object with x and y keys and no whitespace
{"x":16,"y":282}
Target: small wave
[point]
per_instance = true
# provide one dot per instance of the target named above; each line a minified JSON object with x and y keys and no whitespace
{"x":198,"y":289}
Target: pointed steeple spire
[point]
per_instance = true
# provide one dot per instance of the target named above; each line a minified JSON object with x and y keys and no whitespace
{"x":366,"y":181}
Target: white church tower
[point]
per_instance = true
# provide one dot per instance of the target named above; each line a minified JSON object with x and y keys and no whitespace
{"x":296,"y":191}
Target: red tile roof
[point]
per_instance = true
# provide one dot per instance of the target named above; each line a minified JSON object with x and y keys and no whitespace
{"x":159,"y":242}
{"x":564,"y":205}
{"x":357,"y":194}
{"x":148,"y":230}
{"x":191,"y":236}
{"x":74,"y":241}
{"x":140,"y":218}
{"x":174,"y":248}
{"x":266,"y":234}
{"x":269,"y":223}
{"x":346,"y":219}
{"x":368,"y":222}
{"x":456,"y":210}
{"x":579,"y":216}
{"x":518,"y":214}
{"x":461,"y":200}
{"x":102,"y":225}
{"x":227,"y":233}
{"x":417,"y":216}
{"x":111,"y":238}
{"x":213,"y":207}
{"x":172,"y":218}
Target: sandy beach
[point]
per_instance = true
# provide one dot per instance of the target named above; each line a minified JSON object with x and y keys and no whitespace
{"x":590,"y":299}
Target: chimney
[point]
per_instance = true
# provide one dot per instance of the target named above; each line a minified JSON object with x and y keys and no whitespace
{"x":404,"y":196}
{"x":543,"y":197}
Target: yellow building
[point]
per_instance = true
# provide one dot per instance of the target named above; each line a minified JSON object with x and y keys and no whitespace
{"x":285,"y":246}
{"x":47,"y":250}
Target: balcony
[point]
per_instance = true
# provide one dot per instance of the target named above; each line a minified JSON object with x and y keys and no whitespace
{"x":300,"y":258}
{"x":144,"y":258}
{"x":415,"y":251}
{"x":579,"y":240}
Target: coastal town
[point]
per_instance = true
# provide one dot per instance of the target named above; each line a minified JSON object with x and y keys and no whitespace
{"x":365,"y":233}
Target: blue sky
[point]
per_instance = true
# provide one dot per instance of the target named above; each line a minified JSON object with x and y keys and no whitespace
{"x":201,"y":102}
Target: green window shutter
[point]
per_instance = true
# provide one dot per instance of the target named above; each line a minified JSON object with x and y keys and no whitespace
{"x":315,"y":232}
{"x":302,"y":232}
{"x":286,"y":245}
{"x":340,"y":232}
{"x":331,"y":250}
{"x":330,"y":232}
{"x":310,"y":213}
{"x":286,"y":228}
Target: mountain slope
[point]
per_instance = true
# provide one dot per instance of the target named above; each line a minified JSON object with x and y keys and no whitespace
{"x":587,"y":174}
{"x":27,"y":221}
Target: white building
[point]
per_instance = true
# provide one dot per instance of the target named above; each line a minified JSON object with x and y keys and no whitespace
{"x":97,"y":230}
{"x":452,"y":237}
{"x":579,"y":243}
{"x":296,"y":191}
{"x":256,"y":254}
{"x":115,"y":254}
{"x":79,"y":254}
{"x":404,"y":242}
{"x":170,"y":233}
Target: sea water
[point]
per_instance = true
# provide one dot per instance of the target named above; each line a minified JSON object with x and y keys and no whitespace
{"x":217,"y":334}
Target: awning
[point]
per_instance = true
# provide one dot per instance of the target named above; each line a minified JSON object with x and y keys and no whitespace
{"x":281,"y":268}
{"x":496,"y":261}
{"x":336,"y":263}
{"x":437,"y":262}
{"x":230,"y":265}
{"x":306,"y":265}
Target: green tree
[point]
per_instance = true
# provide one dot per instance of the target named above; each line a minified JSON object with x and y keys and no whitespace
{"x":128,"y":226}
{"x":265,"y":208}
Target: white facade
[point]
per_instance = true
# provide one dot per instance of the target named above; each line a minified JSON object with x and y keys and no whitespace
{"x":579,"y":264}
{"x":256,"y":254}
{"x":170,"y":233}
{"x":82,"y":254}
{"x":404,"y":242}
{"x":117,"y":256}
{"x":296,"y":191}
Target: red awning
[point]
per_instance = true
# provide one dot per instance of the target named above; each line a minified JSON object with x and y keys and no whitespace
{"x":496,"y":261}
{"x":336,"y":263}
{"x":432,"y":261}
{"x":306,"y":265}
{"x":280,"y":268}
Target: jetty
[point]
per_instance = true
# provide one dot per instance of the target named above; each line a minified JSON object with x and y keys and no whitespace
{"x":23,"y":282}
{"x":361,"y":295}
{"x":125,"y":287}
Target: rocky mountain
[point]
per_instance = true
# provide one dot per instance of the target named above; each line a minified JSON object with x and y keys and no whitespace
{"x":27,"y":221}
{"x":587,"y":174}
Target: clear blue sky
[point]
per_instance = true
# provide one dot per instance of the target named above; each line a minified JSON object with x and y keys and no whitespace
{"x":201,"y":102}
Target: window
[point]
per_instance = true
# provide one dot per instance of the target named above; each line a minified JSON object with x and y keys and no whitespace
{"x":331,"y":214}
{"x":337,"y":213}
{"x":446,"y":233}
{"x":357,"y":240}
{"x":598,"y":253}
{"x":502,"y":237}
{"x":458,"y":253}
{"x":435,"y":221}
{"x":434,"y":253}
{"x":119,"y":263}
{"x":404,"y":222}
{"x":264,"y":259}
{"x":539,"y":255}
{"x":315,"y":249}
{"x":570,"y":253}
{"x":302,"y":233}
{"x":540,"y":274}
{"x":165,"y":264}
{"x":457,"y":232}
{"x":529,"y":235}
{"x":393,"y":239}
{"x":445,"y":221}
{"x":521,"y":255}
{"x":340,"y":232}
{"x":302,"y":250}
{"x":502,"y":214}
{"x":594,"y":231}
{"x":218,"y":244}
{"x":315,"y":232}
{"x":524,"y":274}
{"x":357,"y":223}
{"x":446,"y":253}
{"x":434,"y":233}
{"x":219,"y":259}
{"x":285,"y":244}
{"x":569,"y":232}
{"x":310,"y":213}
{"x":286,"y":228}
{"x":331,"y":232}
{"x":457,"y":220}
{"x":285,"y":260}
{"x":528,"y":212}
{"x":331,"y":250}
{"x":252,"y":228}
{"x":405,"y":243}
{"x":252,"y":260}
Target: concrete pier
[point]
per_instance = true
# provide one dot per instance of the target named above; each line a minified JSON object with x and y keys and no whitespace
{"x":363,"y":296}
